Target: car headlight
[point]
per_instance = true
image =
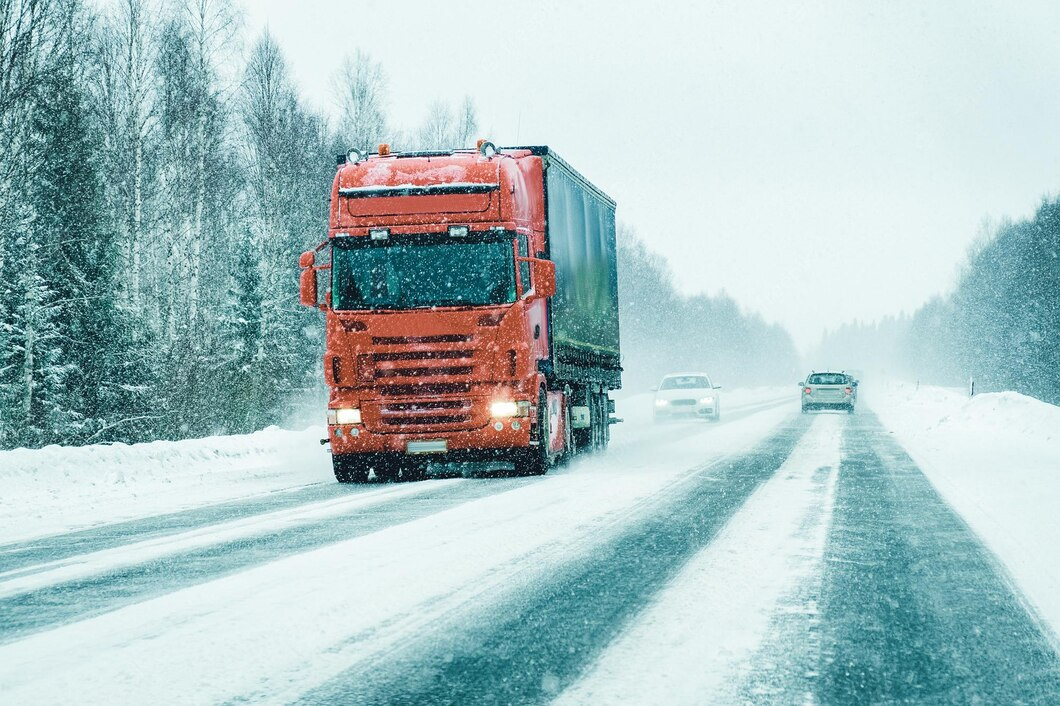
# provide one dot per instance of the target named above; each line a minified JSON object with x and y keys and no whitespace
{"x":345,"y":415}
{"x":506,"y":408}
{"x":661,"y":403}
{"x":706,"y":400}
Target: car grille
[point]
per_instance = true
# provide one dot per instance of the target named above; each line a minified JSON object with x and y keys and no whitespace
{"x":678,"y":403}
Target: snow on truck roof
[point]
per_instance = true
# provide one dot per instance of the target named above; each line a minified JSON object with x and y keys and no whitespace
{"x":457,"y":167}
{"x":451,"y":187}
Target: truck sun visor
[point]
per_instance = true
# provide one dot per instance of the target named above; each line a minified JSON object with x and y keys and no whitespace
{"x":370,"y":192}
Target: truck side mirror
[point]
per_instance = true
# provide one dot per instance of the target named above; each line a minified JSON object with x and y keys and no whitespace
{"x":308,"y":279}
{"x":543,"y":275}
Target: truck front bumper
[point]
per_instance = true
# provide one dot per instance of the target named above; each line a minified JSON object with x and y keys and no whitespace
{"x":497,"y":435}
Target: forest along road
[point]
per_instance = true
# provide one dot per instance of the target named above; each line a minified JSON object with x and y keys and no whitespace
{"x":774,"y":557}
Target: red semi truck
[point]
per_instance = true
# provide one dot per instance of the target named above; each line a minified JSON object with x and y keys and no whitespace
{"x":472,"y":311}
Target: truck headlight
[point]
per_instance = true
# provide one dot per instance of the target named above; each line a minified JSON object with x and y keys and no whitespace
{"x":345,"y":415}
{"x":707,"y":400}
{"x":661,"y":403}
{"x":506,"y":408}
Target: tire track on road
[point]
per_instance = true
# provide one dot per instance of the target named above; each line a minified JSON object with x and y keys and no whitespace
{"x":533,"y":645}
{"x":85,"y":592}
{"x":67,"y":601}
{"x":55,"y":547}
{"x":915,"y":608}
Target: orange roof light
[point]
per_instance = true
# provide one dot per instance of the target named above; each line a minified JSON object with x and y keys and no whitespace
{"x":384,"y":150}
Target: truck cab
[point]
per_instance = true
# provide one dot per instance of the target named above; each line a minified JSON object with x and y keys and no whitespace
{"x":447,"y":315}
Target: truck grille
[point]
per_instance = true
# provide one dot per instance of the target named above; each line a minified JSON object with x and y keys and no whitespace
{"x":402,"y":340}
{"x":423,"y":372}
{"x":454,"y":388}
{"x":433,"y":420}
{"x":426,"y":413}
{"x":417,"y":358}
{"x":411,"y":372}
{"x":422,"y":355}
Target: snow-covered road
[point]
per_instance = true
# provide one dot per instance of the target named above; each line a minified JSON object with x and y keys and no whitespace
{"x":770,"y":558}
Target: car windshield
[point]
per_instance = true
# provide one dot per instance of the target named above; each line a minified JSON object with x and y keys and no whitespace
{"x":684,"y":382}
{"x":827,"y":379}
{"x":408,"y":272}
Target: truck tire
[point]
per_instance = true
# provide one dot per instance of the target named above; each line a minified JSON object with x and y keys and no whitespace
{"x":604,"y":434}
{"x":535,"y":460}
{"x":349,"y":469}
{"x":583,"y":438}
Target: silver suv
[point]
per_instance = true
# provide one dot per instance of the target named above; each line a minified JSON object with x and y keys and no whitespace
{"x":829,"y":391}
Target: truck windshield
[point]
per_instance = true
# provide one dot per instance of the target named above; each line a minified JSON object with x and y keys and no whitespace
{"x":409,"y":272}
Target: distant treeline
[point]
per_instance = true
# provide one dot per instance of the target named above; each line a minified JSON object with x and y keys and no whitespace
{"x":999,"y":327}
{"x":157,"y":183}
{"x":664,"y":331}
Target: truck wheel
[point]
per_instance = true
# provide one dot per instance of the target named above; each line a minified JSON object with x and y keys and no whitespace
{"x":534,"y":461}
{"x":604,"y":434}
{"x":349,"y":469}
{"x":583,"y":438}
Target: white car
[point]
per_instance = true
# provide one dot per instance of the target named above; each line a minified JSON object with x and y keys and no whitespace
{"x":687,"y":395}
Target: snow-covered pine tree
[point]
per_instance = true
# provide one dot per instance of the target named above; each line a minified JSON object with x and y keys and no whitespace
{"x":77,"y":246}
{"x":33,"y":370}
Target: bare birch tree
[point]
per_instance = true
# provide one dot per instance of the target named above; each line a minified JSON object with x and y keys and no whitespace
{"x":361,"y":88}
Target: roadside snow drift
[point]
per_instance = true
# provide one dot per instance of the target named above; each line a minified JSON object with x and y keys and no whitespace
{"x":996,"y":459}
{"x":58,"y":488}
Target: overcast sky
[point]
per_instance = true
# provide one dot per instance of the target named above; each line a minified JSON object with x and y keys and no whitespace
{"x":819,"y":161}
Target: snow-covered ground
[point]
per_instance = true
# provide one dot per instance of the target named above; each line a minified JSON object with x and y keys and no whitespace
{"x":245,"y":636}
{"x":996,"y":459}
{"x":694,"y":642}
{"x":730,"y":607}
{"x":57,"y":489}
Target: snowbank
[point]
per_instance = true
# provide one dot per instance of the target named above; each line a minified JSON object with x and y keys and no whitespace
{"x":57,"y":488}
{"x":996,"y":459}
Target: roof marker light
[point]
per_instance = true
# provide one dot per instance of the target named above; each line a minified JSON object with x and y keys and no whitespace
{"x":458,"y":231}
{"x":384,"y":150}
{"x":379,"y":233}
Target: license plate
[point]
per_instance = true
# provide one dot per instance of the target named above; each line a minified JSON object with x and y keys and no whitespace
{"x":440,"y":446}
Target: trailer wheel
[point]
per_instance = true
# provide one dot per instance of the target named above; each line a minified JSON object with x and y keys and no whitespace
{"x":535,"y":460}
{"x":349,"y":469}
{"x":604,"y":435}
